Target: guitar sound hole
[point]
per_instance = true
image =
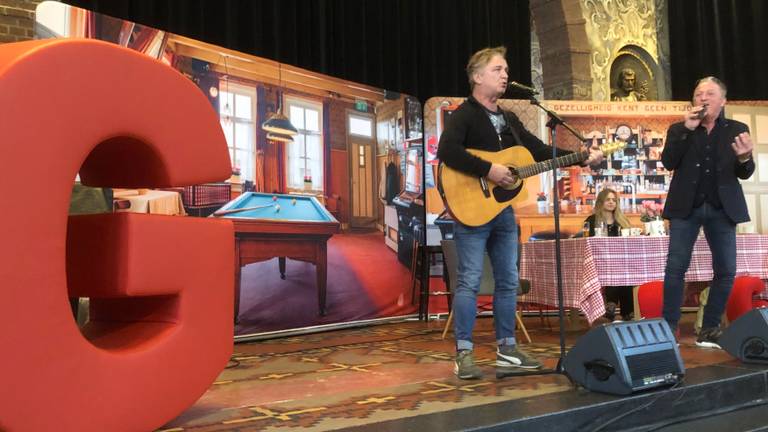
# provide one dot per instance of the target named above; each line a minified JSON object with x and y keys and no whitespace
{"x":503,"y":195}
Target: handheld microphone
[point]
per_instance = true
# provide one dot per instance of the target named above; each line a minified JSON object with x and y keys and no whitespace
{"x":701,"y":114}
{"x":514,"y":85}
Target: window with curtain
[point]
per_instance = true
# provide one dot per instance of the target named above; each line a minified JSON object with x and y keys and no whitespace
{"x":237,"y":115}
{"x":304,"y":156}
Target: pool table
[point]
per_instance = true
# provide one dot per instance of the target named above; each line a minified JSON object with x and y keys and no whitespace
{"x":299,"y":230}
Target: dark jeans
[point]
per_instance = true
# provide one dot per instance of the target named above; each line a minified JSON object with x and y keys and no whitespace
{"x":720,"y":233}
{"x":499,"y":238}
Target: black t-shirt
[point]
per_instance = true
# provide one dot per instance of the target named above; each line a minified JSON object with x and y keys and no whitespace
{"x":614,"y":229}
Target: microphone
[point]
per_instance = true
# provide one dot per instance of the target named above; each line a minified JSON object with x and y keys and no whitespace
{"x":703,"y":112}
{"x":521,"y":88}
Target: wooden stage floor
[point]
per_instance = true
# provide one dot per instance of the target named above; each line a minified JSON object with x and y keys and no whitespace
{"x":400,"y":377}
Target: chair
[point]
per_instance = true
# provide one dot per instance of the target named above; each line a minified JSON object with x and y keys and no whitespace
{"x":333,"y":205}
{"x":203,"y":199}
{"x":648,"y":299}
{"x":486,"y":283}
{"x":419,"y":270}
{"x":741,"y":299}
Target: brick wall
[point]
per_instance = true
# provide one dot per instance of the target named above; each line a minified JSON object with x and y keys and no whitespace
{"x":338,"y":124}
{"x":17,"y":20}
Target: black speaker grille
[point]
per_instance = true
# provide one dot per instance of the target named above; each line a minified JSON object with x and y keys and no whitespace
{"x":640,"y":333}
{"x":652,"y":368}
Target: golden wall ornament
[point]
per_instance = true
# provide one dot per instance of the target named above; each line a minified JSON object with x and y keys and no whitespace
{"x":615,"y":30}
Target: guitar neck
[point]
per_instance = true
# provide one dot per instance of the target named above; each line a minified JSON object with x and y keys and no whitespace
{"x":540,"y":167}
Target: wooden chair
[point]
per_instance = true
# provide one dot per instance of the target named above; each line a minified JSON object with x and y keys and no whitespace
{"x":740,"y":301}
{"x":486,"y":283}
{"x":333,"y":205}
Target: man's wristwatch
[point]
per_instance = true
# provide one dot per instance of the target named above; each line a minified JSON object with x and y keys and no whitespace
{"x":746,"y":159}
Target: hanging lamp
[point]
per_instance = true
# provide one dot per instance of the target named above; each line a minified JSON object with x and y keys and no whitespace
{"x":279,"y":137}
{"x":277,"y":123}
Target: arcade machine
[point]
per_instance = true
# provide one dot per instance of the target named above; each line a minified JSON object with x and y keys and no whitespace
{"x":410,"y":206}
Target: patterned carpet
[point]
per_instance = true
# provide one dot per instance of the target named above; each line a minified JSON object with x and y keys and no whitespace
{"x":355,"y":377}
{"x":358,"y":377}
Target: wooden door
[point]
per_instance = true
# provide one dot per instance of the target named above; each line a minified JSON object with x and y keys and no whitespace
{"x":362,"y":170}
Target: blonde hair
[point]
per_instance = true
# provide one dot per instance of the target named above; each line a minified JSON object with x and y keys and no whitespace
{"x":480,"y":59}
{"x":618,"y":215}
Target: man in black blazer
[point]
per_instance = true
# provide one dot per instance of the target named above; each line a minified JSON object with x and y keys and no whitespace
{"x":709,"y":154}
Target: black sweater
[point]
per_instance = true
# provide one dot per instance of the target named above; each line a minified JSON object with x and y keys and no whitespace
{"x":470,"y":127}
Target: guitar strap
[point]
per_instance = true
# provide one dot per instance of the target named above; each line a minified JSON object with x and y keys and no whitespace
{"x":511,"y":128}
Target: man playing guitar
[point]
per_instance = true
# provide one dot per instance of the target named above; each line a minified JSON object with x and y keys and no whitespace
{"x":480,"y":124}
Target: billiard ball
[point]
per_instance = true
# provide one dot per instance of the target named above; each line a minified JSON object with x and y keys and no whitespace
{"x":277,"y":208}
{"x":293,"y":201}
{"x":274,"y":197}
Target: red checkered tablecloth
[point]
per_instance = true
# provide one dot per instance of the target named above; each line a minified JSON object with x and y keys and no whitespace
{"x":591,"y":263}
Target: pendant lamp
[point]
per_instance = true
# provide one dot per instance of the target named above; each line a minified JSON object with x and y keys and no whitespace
{"x":277,"y":123}
{"x":279,"y":137}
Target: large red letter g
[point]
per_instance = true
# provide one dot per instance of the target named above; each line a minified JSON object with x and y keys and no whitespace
{"x":160,"y":286}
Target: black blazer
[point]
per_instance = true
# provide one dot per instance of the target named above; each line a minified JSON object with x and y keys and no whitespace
{"x":681,"y":156}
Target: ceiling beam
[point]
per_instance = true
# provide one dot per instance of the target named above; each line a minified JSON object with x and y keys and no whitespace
{"x":237,"y":64}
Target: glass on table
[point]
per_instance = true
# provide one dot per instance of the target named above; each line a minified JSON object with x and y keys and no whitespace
{"x":600,"y":229}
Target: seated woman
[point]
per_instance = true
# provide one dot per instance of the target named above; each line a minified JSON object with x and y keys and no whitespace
{"x":608,"y":215}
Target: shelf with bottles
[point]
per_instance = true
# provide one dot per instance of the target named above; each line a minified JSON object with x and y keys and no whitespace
{"x":625,"y":163}
{"x":626,"y":174}
{"x":636,"y":184}
{"x":641,"y":143}
{"x":639,"y":196}
{"x":635,"y":172}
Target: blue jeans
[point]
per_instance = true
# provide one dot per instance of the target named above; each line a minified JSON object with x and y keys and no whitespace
{"x":720,"y":233}
{"x":499,"y":238}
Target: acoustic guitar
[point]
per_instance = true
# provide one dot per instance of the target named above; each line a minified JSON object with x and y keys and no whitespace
{"x":475,"y":200}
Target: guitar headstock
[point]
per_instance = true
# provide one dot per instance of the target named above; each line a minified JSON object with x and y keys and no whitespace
{"x":612,"y":146}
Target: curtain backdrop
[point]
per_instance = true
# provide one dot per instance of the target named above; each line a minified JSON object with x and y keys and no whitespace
{"x":417,"y":47}
{"x":420,"y":47}
{"x":724,"y":38}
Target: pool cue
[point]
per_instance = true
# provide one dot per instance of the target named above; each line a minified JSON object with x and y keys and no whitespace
{"x":218,"y":213}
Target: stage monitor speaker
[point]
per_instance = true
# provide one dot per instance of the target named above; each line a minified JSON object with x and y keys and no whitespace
{"x":626,"y":357}
{"x":747,"y":337}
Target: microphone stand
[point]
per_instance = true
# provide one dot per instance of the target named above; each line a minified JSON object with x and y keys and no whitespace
{"x":552,"y":123}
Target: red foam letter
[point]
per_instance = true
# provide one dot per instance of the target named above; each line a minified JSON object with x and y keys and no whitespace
{"x":160,"y":286}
